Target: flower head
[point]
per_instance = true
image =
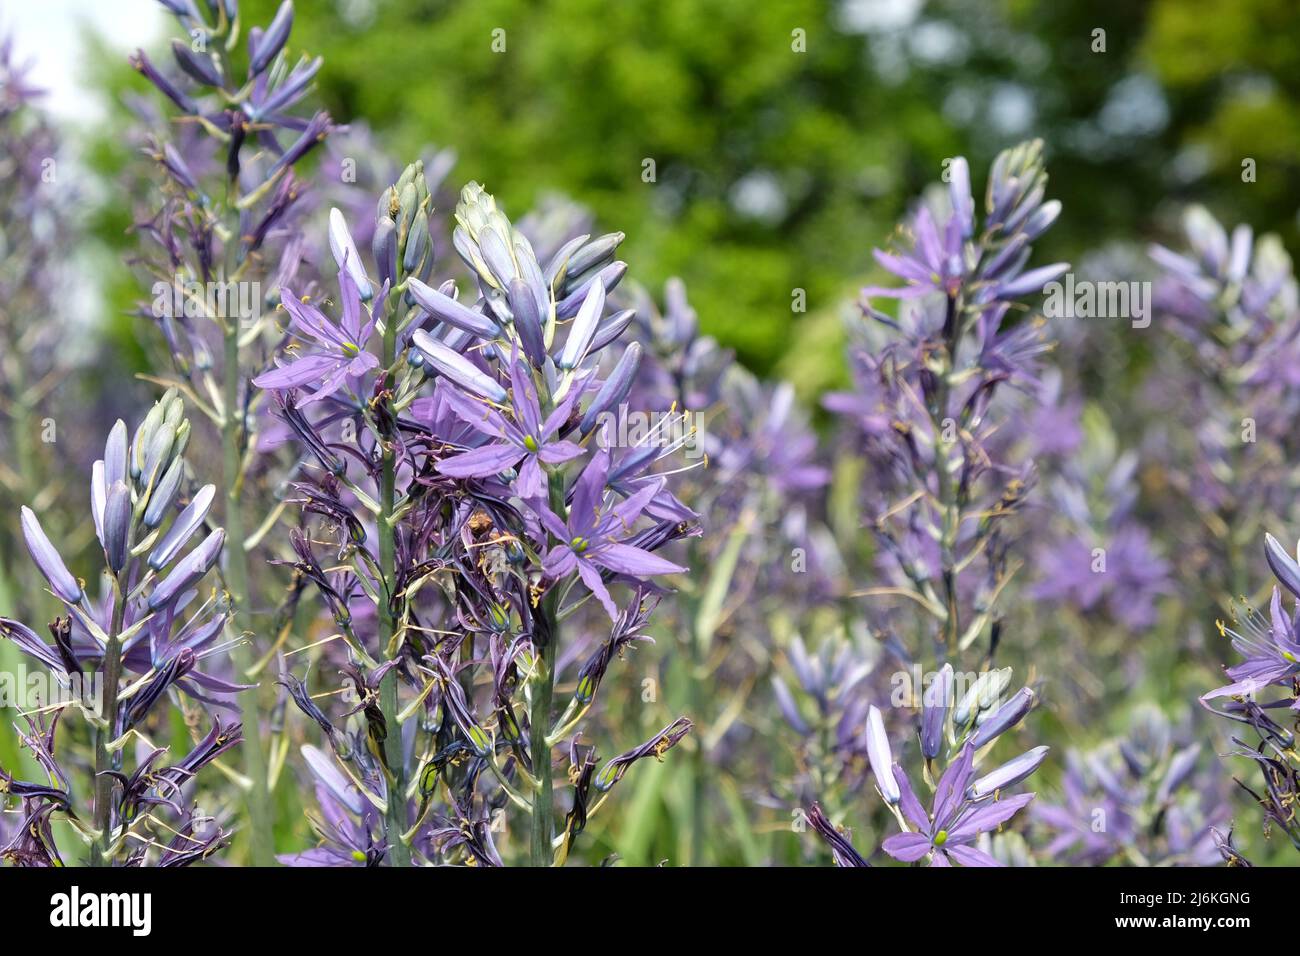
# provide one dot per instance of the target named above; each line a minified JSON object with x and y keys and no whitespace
{"x":590,"y":539}
{"x":954,"y":821}
{"x":338,"y":356}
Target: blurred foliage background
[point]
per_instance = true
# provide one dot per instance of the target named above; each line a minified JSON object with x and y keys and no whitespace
{"x":787,"y":136}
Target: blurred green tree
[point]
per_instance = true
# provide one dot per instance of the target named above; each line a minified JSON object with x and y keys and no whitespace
{"x":784,"y":137}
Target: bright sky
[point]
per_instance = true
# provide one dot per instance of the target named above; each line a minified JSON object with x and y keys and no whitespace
{"x":50,"y":32}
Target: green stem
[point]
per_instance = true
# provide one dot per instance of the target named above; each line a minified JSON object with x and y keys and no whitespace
{"x":696,"y":694}
{"x":949,"y":507}
{"x":542,"y":833}
{"x":260,"y":811}
{"x":105,"y":735}
{"x":397,"y":815}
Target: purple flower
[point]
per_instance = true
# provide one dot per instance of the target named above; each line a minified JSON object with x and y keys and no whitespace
{"x":953,"y":824}
{"x":528,"y":439}
{"x":1270,"y":649}
{"x":347,"y":823}
{"x":340,"y":354}
{"x":589,"y":540}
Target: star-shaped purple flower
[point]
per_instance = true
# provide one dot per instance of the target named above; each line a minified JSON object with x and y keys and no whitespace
{"x":590,"y":539}
{"x":340,"y":350}
{"x":955,"y":821}
{"x":528,"y":439}
{"x":1270,"y":649}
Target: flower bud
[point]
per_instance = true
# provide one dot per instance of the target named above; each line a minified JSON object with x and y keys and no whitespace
{"x":117,"y":526}
{"x":456,"y":367}
{"x":615,"y":388}
{"x":1004,"y":718}
{"x":48,"y":560}
{"x":881,"y":757}
{"x":1007,"y":775}
{"x":272,"y":41}
{"x":448,"y":310}
{"x":383,"y":247}
{"x":583,"y":328}
{"x":189,"y":571}
{"x":346,"y":255}
{"x":527,"y":321}
{"x":182,"y":528}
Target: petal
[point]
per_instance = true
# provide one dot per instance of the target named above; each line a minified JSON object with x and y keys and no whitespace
{"x":952,"y":786}
{"x":625,"y":559}
{"x":475,"y":413}
{"x":530,"y":483}
{"x":559,"y":561}
{"x":913,"y":812}
{"x":591,"y":577}
{"x":619,"y":519}
{"x":301,"y":372}
{"x":481,"y":462}
{"x":560,"y":414}
{"x":908,"y":847}
{"x":552,"y":523}
{"x":328,"y":387}
{"x":969,"y":856}
{"x":987,"y":816}
{"x":309,"y":322}
{"x":559,"y":451}
{"x":588,"y":494}
{"x":523,"y":394}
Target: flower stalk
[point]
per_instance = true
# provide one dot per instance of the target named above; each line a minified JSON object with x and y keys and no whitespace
{"x":398,"y":818}
{"x":105,"y":734}
{"x":542,"y":832}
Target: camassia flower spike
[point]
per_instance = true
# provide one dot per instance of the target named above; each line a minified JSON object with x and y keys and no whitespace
{"x":147,"y":639}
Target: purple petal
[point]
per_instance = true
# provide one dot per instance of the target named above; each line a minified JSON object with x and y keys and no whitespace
{"x":987,"y":816}
{"x":304,"y":371}
{"x":481,"y":462}
{"x":625,"y":559}
{"x":907,"y":847}
{"x":969,"y":856}
{"x":591,"y":577}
